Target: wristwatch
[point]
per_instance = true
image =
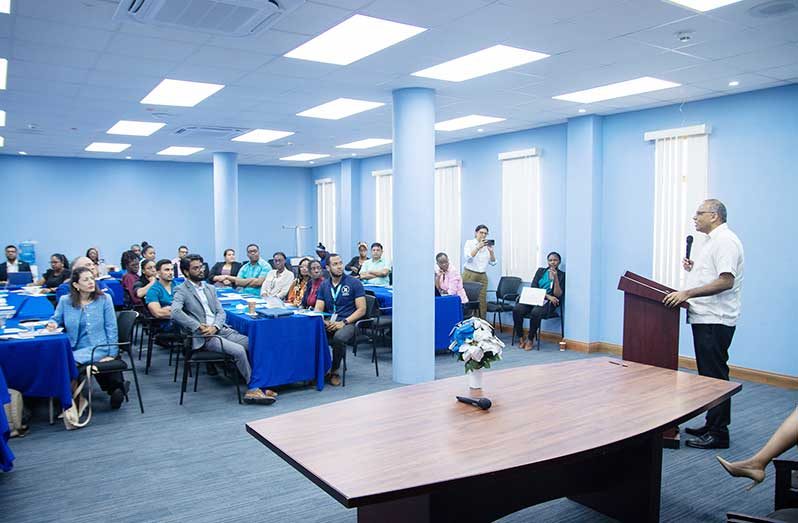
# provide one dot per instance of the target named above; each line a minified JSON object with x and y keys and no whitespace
{"x":346,"y":322}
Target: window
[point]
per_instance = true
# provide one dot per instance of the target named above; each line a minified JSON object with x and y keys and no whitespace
{"x":680,"y":184}
{"x":520,"y":250}
{"x":325,"y":212}
{"x":447,"y":211}
{"x":384,"y":212}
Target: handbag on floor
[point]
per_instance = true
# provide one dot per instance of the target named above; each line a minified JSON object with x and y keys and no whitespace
{"x":79,"y":405}
{"x":14,"y":414}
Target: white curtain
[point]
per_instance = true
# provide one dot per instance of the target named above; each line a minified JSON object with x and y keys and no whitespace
{"x":384,"y":212}
{"x":680,"y":185}
{"x":520,"y":216}
{"x":447,"y":211}
{"x":325,"y":213}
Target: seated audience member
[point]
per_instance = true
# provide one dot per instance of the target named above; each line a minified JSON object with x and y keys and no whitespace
{"x":550,"y":278}
{"x":148,"y":278}
{"x":12,"y":263}
{"x":147,"y":251}
{"x":314,"y":284}
{"x":182,"y":251}
{"x":102,"y":268}
{"x":375,"y":270}
{"x":57,"y":274}
{"x":88,"y":317}
{"x":136,"y":248}
{"x":321,"y":252}
{"x":130,"y":262}
{"x":297,"y":290}
{"x":223,"y":273}
{"x":77,"y":263}
{"x":160,"y":296}
{"x":344,"y":297}
{"x":786,"y":436}
{"x":447,"y":279}
{"x":197,"y":309}
{"x":278,"y":281}
{"x":252,"y":274}
{"x":357,"y":262}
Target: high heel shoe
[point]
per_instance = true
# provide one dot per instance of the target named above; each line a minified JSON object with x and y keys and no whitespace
{"x":756,"y":475}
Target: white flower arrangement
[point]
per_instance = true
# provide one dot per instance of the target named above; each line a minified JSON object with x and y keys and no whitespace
{"x":474,"y":343}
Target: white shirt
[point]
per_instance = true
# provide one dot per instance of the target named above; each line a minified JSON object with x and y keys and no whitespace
{"x":722,"y":252}
{"x":277,"y":285}
{"x":12,"y":267}
{"x":210,"y":317}
{"x":480,"y":262}
{"x":176,"y":264}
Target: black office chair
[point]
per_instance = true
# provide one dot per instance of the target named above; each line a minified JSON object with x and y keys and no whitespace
{"x":472,"y":290}
{"x":364,"y":333}
{"x":558,"y":312}
{"x":786,"y":497}
{"x":200,"y":356}
{"x":506,"y":295}
{"x":125,"y":321}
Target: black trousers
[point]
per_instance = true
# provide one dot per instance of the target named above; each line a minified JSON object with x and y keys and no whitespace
{"x":534,"y":312}
{"x":338,"y":340}
{"x":108,"y":382}
{"x":711,"y":342}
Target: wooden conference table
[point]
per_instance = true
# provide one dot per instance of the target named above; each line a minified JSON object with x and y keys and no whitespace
{"x":589,"y":430}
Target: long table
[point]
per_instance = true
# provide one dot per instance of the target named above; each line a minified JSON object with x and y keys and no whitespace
{"x":590,"y":430}
{"x":283,"y":350}
{"x":448,"y":312}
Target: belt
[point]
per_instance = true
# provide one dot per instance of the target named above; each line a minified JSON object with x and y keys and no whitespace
{"x":475,"y":272}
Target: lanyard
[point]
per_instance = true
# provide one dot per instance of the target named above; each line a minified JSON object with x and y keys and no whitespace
{"x":335,"y":292}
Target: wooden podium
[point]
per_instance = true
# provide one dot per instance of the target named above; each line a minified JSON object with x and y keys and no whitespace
{"x":650,"y":329}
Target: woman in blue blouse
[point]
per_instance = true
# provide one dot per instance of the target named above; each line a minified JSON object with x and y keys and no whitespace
{"x":550,"y":278}
{"x":88,"y":317}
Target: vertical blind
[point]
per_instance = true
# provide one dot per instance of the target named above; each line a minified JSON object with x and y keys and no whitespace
{"x":520,"y":214}
{"x":384,"y":211}
{"x":325,"y":213}
{"x":447,"y":211}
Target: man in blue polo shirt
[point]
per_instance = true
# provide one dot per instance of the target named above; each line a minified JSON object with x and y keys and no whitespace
{"x":159,"y":297}
{"x":343,"y":297}
{"x":252,"y":275}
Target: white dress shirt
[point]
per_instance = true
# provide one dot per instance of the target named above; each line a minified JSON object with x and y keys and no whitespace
{"x":722,"y":252}
{"x":480,"y":262}
{"x":12,"y":267}
{"x":210,"y":317}
{"x":277,"y":285}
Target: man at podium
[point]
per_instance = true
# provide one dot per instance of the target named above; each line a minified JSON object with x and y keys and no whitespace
{"x":712,"y":293}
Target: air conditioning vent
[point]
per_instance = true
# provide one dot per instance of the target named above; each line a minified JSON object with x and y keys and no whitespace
{"x":221,"y":17}
{"x":209,"y":133}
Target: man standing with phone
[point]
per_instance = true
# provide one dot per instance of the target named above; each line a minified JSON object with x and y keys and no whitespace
{"x":713,"y":286}
{"x":478,"y":255}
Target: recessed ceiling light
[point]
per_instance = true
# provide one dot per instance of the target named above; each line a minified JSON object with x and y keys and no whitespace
{"x":3,"y":72}
{"x":486,"y":61}
{"x":464,"y":122}
{"x":734,"y":83}
{"x":304,"y":157}
{"x":703,"y":5}
{"x":354,"y":154}
{"x":353,"y":39}
{"x":180,"y":93}
{"x":262,"y":136}
{"x":23,"y":153}
{"x":480,"y":130}
{"x":582,"y":110}
{"x":311,"y":161}
{"x":340,"y":108}
{"x":128,"y":157}
{"x":133,"y":128}
{"x":180,"y":151}
{"x":644,"y":84}
{"x":2,"y":118}
{"x":364,"y":144}
{"x":106,"y":147}
{"x":5,"y":7}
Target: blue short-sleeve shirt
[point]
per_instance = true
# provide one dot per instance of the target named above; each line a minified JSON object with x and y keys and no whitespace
{"x":341,"y":299}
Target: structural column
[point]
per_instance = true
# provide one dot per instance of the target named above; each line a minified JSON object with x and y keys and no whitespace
{"x":584,"y":181}
{"x":225,"y":202}
{"x":349,"y":201}
{"x":413,"y":235}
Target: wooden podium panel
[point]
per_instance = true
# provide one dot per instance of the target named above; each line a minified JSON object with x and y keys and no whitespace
{"x":588,"y":429}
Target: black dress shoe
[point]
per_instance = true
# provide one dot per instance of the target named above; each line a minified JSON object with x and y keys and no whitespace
{"x":698,"y":431}
{"x":210,"y":368}
{"x":708,"y":441}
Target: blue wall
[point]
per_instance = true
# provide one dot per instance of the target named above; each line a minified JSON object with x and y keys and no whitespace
{"x":69,"y":204}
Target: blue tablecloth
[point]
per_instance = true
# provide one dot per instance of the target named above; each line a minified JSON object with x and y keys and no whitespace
{"x":33,"y":307}
{"x":42,"y":366}
{"x":118,"y":293}
{"x":448,"y":312}
{"x":283,"y":350}
{"x":6,"y":456}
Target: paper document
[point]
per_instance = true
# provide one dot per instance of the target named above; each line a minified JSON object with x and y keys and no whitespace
{"x":532,"y":296}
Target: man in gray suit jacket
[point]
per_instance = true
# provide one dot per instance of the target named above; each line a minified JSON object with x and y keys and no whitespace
{"x":195,"y":307}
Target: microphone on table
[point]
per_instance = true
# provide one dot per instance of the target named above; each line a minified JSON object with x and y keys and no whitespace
{"x":482,"y":403}
{"x":689,"y":245}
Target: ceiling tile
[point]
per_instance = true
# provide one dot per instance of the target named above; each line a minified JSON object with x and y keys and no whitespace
{"x":421,"y":12}
{"x":134,"y":65}
{"x":56,"y":55}
{"x":95,"y":14}
{"x":312,"y":19}
{"x":765,"y":58}
{"x":60,"y":33}
{"x":743,"y":41}
{"x":747,"y":81}
{"x":786,"y":72}
{"x":45,"y":72}
{"x":270,"y":42}
{"x":211,"y":56}
{"x":698,"y":28}
{"x":153,"y":48}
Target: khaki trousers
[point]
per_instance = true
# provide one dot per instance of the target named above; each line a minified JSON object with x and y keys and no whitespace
{"x":483,"y":279}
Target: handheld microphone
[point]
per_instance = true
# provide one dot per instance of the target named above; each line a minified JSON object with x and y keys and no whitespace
{"x":482,"y":403}
{"x":689,"y":245}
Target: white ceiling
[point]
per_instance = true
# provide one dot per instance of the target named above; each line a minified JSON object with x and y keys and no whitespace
{"x":73,"y":72}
